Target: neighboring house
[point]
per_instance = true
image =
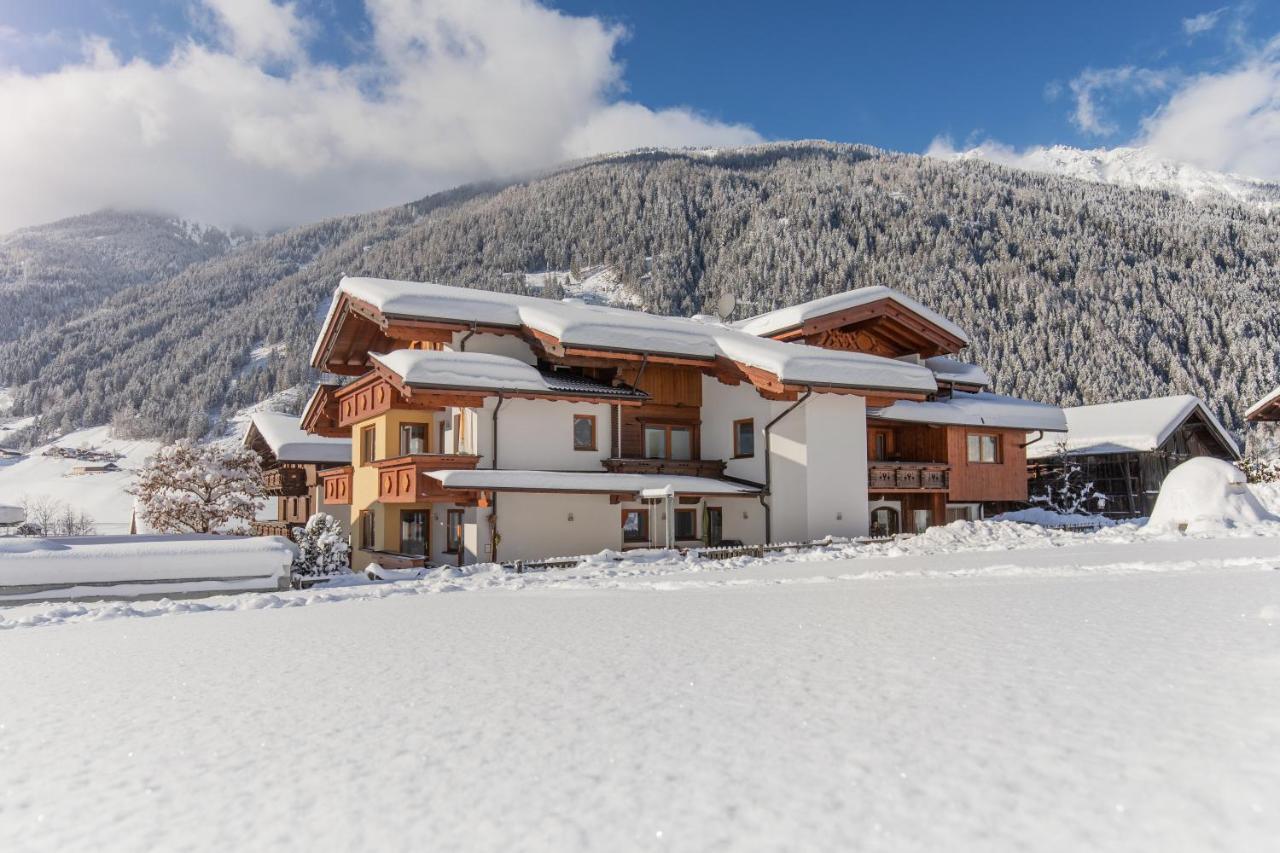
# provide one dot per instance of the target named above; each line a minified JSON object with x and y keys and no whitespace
{"x":1126,"y":449}
{"x":291,"y":464}
{"x":491,"y":426}
{"x":1266,"y":409}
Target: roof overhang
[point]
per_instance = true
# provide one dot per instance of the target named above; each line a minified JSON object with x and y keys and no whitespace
{"x":1266,"y":409}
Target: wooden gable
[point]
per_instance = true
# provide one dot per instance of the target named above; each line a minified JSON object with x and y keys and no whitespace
{"x":883,"y":328}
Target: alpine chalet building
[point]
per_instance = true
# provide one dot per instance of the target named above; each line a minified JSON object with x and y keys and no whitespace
{"x":490,"y":426}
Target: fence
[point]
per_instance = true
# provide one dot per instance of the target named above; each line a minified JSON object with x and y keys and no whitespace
{"x":718,"y":552}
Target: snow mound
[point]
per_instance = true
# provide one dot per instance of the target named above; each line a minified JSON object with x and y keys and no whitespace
{"x":1206,"y":494}
{"x":1049,"y":518}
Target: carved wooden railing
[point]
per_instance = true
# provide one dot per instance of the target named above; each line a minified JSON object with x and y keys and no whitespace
{"x":403,"y":479}
{"x":909,"y":476}
{"x":271,"y":528}
{"x":683,"y":467}
{"x":285,"y":481}
{"x":337,"y":484}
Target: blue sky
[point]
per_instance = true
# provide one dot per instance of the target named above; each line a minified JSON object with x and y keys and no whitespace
{"x":584,"y":76}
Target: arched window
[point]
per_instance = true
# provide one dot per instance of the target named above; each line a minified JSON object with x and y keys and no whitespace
{"x":885,"y":521}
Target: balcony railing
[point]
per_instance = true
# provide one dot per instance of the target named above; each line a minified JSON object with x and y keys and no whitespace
{"x":909,"y":476}
{"x":285,"y":481}
{"x":337,"y":484}
{"x":683,"y":467}
{"x":403,"y":479}
{"x":271,"y":528}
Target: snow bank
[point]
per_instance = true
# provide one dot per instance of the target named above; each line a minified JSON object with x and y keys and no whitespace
{"x":1268,"y":494}
{"x":1206,"y":494}
{"x":1049,"y":518}
{"x":88,"y":565}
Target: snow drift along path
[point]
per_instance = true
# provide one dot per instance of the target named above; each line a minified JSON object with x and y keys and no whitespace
{"x":1091,"y":700}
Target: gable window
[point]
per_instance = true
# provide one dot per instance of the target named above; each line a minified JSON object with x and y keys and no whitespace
{"x":635,"y":525}
{"x":744,"y":438}
{"x":984,"y":447}
{"x":686,"y":524}
{"x":584,"y":432}
{"x":368,"y":444}
{"x":367,"y":530}
{"x":413,"y":439}
{"x":666,"y":441}
{"x":453,"y":530}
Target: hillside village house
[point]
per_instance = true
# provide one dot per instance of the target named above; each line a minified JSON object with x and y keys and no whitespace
{"x":490,"y":426}
{"x":1266,"y":409}
{"x":1126,"y":449}
{"x":291,"y":463}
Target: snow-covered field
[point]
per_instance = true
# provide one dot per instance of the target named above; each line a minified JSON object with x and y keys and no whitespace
{"x":984,"y":686}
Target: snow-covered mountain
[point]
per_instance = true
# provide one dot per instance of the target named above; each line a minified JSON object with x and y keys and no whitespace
{"x":1137,"y":167}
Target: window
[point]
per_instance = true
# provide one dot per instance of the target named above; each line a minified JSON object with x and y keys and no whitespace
{"x":453,"y":531}
{"x":368,"y":444}
{"x":662,"y":441}
{"x":962,"y":512}
{"x":713,"y":528}
{"x":884,"y":521}
{"x":686,"y":524}
{"x":413,"y":532}
{"x":584,"y":432}
{"x":367,"y":530}
{"x":744,"y":438}
{"x":635,"y":525}
{"x":413,"y":439}
{"x":984,"y":447}
{"x":881,"y":444}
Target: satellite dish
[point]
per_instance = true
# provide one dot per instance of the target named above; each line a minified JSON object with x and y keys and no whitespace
{"x":725,"y":305}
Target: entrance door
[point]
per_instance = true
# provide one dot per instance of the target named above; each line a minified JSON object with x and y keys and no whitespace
{"x":885,"y":521}
{"x":713,"y":526}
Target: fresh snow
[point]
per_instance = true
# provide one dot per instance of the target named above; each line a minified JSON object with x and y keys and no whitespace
{"x":290,"y":443}
{"x":102,"y":496}
{"x":1206,"y":494}
{"x":576,"y":323}
{"x":1130,"y":425}
{"x":1136,"y":166}
{"x":587,"y":482}
{"x":978,"y":409}
{"x":795,"y":316}
{"x":465,"y":370}
{"x":92,"y":562}
{"x":1050,"y":518}
{"x":947,"y":369}
{"x":980,"y":687}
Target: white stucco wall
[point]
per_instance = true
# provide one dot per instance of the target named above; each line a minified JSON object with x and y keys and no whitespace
{"x":538,"y":435}
{"x":535,"y":526}
{"x":836,"y":447}
{"x":721,"y":406}
{"x":508,"y":345}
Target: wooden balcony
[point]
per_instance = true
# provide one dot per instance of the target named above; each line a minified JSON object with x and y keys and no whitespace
{"x":337,"y":484}
{"x":271,"y":528}
{"x":403,"y":479}
{"x":908,"y":476}
{"x":285,"y":481}
{"x":683,"y":467}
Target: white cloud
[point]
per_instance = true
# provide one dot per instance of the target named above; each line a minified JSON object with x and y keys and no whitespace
{"x":1227,"y":121}
{"x":455,"y":90}
{"x":1094,"y":85}
{"x":1202,"y":23}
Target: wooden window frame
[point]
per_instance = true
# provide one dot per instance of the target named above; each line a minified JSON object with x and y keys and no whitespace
{"x":999,"y":448}
{"x":676,"y":527}
{"x":667,"y":428}
{"x":369,"y":444}
{"x":450,"y":529}
{"x":644,"y":526}
{"x":595,"y":444}
{"x":737,"y":437}
{"x":368,"y":530}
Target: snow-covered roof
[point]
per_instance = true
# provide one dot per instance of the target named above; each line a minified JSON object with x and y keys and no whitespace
{"x":1128,"y":426}
{"x":585,"y":482}
{"x":947,"y":369}
{"x":795,"y":316}
{"x":979,"y":409}
{"x":290,"y":443}
{"x":577,"y":324}
{"x":486,"y":371}
{"x":1271,"y":399}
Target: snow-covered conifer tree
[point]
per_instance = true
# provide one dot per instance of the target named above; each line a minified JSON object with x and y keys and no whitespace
{"x":322,"y":548}
{"x":199,"y":488}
